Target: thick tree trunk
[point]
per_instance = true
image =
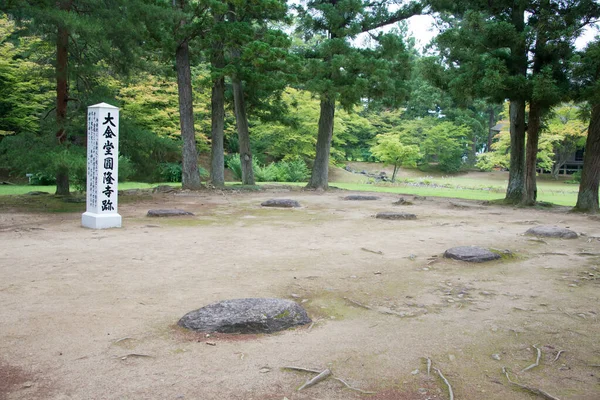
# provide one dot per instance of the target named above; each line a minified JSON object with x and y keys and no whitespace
{"x":320,"y":171}
{"x":516,"y":176}
{"x":241,"y":122}
{"x":62,"y":98}
{"x":190,"y":178}
{"x":587,"y":200}
{"x":518,"y":68}
{"x":217,"y":102}
{"x":533,"y":138}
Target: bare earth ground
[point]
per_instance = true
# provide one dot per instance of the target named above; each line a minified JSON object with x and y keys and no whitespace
{"x":81,"y":310}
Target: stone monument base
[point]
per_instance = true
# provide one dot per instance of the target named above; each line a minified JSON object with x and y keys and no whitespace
{"x":100,"y":221}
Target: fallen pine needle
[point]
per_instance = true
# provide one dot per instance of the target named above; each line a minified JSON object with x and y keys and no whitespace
{"x":558,"y":355}
{"x":537,"y":360}
{"x":320,"y":377}
{"x":450,"y":393}
{"x":530,"y":389}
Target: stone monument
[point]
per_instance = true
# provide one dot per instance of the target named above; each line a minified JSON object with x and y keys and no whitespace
{"x":102,"y":167}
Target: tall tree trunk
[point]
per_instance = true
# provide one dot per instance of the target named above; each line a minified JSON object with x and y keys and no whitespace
{"x":491,"y":123}
{"x":518,"y":68}
{"x":396,"y":167}
{"x":516,"y":175}
{"x":587,"y":200}
{"x":241,"y":122}
{"x":472,"y":158}
{"x":533,"y":138}
{"x":320,"y":171}
{"x":217,"y":102}
{"x":62,"y":97}
{"x":190,"y":178}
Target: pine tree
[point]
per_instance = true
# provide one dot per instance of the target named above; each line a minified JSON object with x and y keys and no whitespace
{"x":86,"y":35}
{"x":588,"y":80}
{"x":338,"y":72}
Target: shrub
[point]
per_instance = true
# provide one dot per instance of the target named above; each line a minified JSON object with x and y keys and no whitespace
{"x":126,"y":168}
{"x":235,"y":165}
{"x":292,"y":171}
{"x":265,"y":173}
{"x":170,"y":172}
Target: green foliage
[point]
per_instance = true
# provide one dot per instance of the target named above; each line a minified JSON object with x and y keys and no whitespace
{"x":170,"y":172}
{"x":391,"y":151}
{"x":146,"y":150}
{"x":265,"y":173}
{"x":234,"y":164}
{"x":29,"y":153}
{"x":24,"y":93}
{"x":293,"y":170}
{"x":447,"y":142}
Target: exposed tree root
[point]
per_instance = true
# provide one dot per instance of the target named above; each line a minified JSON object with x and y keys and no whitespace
{"x":322,"y":375}
{"x":450,"y":393}
{"x":537,"y":360}
{"x":372,"y":251}
{"x":558,"y":355}
{"x":356,"y":303}
{"x":530,"y":389}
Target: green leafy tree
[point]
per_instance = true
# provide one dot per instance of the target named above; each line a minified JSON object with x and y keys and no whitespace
{"x":89,"y":37}
{"x":391,"y":151}
{"x":563,"y":133}
{"x":24,"y":91}
{"x":448,"y":143}
{"x":258,"y":55}
{"x":487,"y":48}
{"x":338,"y":72}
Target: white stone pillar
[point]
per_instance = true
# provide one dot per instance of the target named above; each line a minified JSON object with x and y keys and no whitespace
{"x":102,"y":167}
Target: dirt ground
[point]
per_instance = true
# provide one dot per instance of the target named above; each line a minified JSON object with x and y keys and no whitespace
{"x":91,"y":314}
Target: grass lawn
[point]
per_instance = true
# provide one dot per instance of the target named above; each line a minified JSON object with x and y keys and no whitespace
{"x":474,"y":186}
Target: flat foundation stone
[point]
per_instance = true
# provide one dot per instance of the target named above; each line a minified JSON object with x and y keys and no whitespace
{"x":168,"y":213}
{"x":359,"y":197}
{"x":395,"y":215}
{"x":471,"y":254}
{"x":253,"y":315}
{"x":551,"y":231}
{"x":282,"y":203}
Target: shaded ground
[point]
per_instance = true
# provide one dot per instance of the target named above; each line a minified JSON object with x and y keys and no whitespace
{"x":91,"y":314}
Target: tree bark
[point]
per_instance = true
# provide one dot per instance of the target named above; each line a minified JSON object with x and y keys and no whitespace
{"x":62,"y":96}
{"x":587,"y":199}
{"x":241,"y":122}
{"x":491,"y":123}
{"x":396,"y":167}
{"x":518,"y":68}
{"x":217,"y":102}
{"x":516,"y":175}
{"x":320,"y":171}
{"x":190,"y":178}
{"x":533,"y":138}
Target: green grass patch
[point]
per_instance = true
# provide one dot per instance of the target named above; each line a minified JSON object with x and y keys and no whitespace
{"x":6,"y":190}
{"x":42,"y":203}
